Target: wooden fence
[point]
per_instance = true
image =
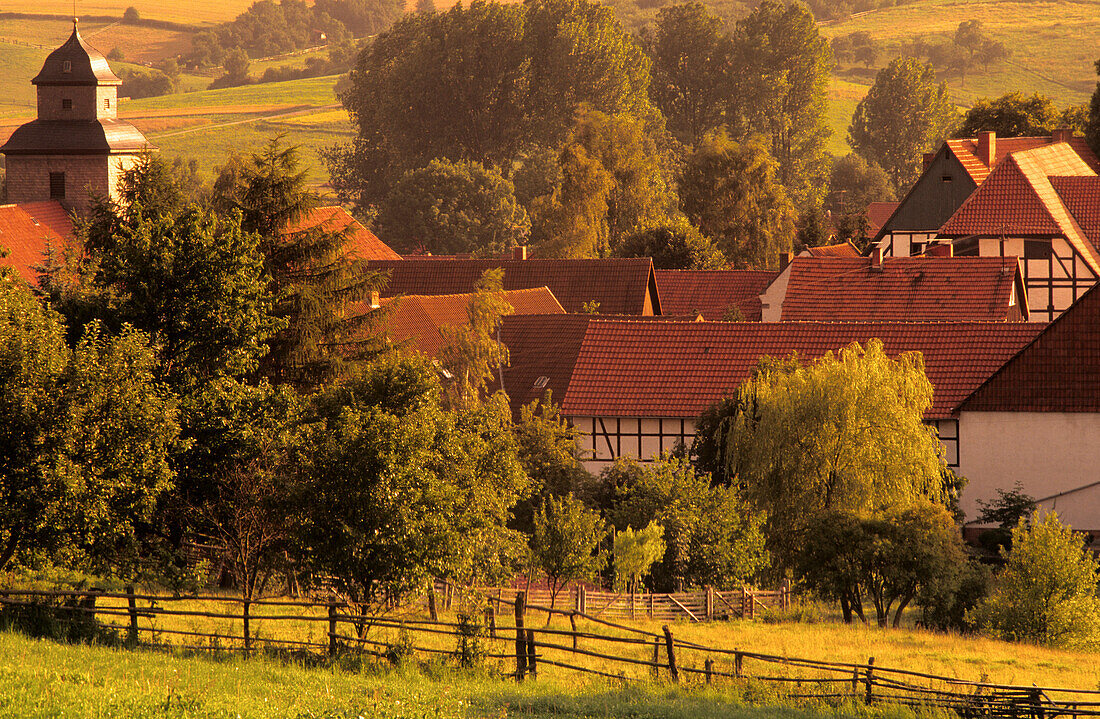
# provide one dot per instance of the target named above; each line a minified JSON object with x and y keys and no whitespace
{"x":706,"y":605}
{"x":513,"y":638}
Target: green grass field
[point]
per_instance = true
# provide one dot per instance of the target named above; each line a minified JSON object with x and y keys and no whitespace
{"x":44,"y":679}
{"x":188,"y":12}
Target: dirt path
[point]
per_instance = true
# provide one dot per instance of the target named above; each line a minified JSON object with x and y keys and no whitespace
{"x":203,"y":128}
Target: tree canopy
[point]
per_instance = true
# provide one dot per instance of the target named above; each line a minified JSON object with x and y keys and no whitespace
{"x":905,"y":113}
{"x":1011,"y":115}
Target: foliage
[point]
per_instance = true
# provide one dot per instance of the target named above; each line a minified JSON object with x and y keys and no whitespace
{"x":1005,"y":511}
{"x":732,"y":193}
{"x":674,"y":245}
{"x":449,"y":208}
{"x":565,"y":542}
{"x":905,"y":113}
{"x":549,"y":452}
{"x":145,"y":82}
{"x":1011,"y":115}
{"x":782,"y":80}
{"x":947,"y":607}
{"x":515,"y":77}
{"x":856,"y":47}
{"x":394,"y":492}
{"x":634,"y":553}
{"x":855,"y":183}
{"x":1047,"y":590}
{"x":1092,"y":128}
{"x":711,"y":536}
{"x":613,"y":185}
{"x":473,"y":352}
{"x":692,"y":61}
{"x":313,"y":279}
{"x":842,"y":433}
{"x":887,"y":559}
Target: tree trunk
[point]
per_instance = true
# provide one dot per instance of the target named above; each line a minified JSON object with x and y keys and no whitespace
{"x":846,"y":608}
{"x":901,"y":608}
{"x":9,"y":550}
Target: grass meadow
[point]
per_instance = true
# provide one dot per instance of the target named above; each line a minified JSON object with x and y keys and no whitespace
{"x":44,"y":679}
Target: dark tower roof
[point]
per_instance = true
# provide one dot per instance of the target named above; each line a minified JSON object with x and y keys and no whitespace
{"x":85,"y":65}
{"x":80,"y":137}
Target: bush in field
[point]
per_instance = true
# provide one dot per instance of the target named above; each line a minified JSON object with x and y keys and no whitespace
{"x":1047,"y":590}
{"x":145,"y":82}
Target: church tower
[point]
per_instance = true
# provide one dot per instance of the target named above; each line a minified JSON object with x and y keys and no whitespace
{"x":77,"y":148}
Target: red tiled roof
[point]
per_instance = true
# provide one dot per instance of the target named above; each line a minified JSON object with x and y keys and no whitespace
{"x":1058,"y":372}
{"x":418,"y":318}
{"x":712,"y":292}
{"x":878,"y":213}
{"x":540,"y":346}
{"x":666,"y":369}
{"x":362,"y":243}
{"x":27,"y":229}
{"x":621,"y":286}
{"x":906,"y":289}
{"x":1017,"y":198}
{"x":966,"y":150}
{"x":844,"y":249}
{"x":1081,"y":196}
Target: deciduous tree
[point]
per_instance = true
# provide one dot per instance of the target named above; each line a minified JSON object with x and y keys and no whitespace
{"x":634,"y":552}
{"x":674,"y":245}
{"x":565,"y":543}
{"x":905,"y":113}
{"x":473,"y":352}
{"x":452,"y":208}
{"x":1011,"y":115}
{"x":733,"y":194}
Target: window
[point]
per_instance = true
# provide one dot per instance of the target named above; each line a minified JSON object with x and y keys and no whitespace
{"x":66,"y":66}
{"x":106,"y":103}
{"x":66,"y":104}
{"x":57,"y":185}
{"x":946,"y":178}
{"x":1036,"y":250}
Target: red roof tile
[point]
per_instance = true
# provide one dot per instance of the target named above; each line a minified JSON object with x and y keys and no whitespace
{"x":844,"y":249}
{"x":362,"y":243}
{"x":1017,"y":198}
{"x":621,"y":286}
{"x":667,"y":369}
{"x":905,"y":289}
{"x":27,"y":229}
{"x":712,"y":292}
{"x":1081,"y":196}
{"x":966,"y":150}
{"x":878,"y":213}
{"x":419,"y":318}
{"x":1057,"y":372}
{"x":540,"y":346}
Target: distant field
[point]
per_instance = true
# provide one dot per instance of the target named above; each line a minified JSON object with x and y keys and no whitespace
{"x":192,"y":12}
{"x":843,"y":98}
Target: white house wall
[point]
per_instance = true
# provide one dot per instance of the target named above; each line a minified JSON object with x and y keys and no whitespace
{"x":1049,"y":453}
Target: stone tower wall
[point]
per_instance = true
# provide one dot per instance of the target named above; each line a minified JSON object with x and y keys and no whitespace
{"x":28,"y":178}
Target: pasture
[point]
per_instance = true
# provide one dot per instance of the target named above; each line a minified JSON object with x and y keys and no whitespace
{"x":188,"y":12}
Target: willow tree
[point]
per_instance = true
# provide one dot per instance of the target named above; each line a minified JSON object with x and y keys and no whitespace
{"x":842,"y":433}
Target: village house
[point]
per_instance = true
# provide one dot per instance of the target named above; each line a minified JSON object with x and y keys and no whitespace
{"x":897,"y":289}
{"x":32,"y":232}
{"x":606,"y":286}
{"x":1036,"y":421}
{"x":951,"y":174}
{"x":362,"y":244}
{"x":714,"y":294}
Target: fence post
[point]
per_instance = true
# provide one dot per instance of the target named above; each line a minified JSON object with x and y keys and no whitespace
{"x":744,"y":612}
{"x":491,"y":619}
{"x":656,"y":657}
{"x":785,"y":601}
{"x":521,"y":637}
{"x":532,"y":664}
{"x":651,"y":605}
{"x":584,"y":600}
{"x":332,"y":629}
{"x":670,"y":646}
{"x":737,"y":657}
{"x":247,"y":634}
{"x":710,"y":603}
{"x":432,"y":611}
{"x":573,"y":625}
{"x":870,"y":681}
{"x":131,"y":603}
{"x":1037,"y":710}
{"x":708,"y":665}
{"x":855,"y":681}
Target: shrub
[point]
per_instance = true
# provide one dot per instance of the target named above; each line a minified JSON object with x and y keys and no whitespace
{"x":1047,"y":590}
{"x":131,"y":15}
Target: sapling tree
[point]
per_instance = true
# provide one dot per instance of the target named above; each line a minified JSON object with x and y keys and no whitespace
{"x":566,"y":542}
{"x":634,"y":552}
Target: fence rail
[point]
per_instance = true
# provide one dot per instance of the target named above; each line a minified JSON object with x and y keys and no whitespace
{"x":510,"y":634}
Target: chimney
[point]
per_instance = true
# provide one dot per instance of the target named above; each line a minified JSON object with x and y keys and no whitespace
{"x":519,"y":252}
{"x":375,"y":300}
{"x":987,"y":147}
{"x":876,"y":258}
{"x":1063,"y":134}
{"x":928,"y":157}
{"x":785,"y":260}
{"x":938,"y":250}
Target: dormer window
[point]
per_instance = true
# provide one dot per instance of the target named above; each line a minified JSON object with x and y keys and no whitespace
{"x":66,"y":66}
{"x":66,"y":103}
